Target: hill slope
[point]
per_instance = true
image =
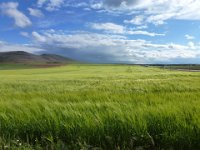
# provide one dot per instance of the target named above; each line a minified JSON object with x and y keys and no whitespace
{"x":28,"y":58}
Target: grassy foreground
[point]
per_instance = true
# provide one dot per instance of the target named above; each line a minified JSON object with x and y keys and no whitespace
{"x":99,"y":107}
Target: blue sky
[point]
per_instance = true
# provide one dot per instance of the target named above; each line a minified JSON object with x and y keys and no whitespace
{"x":130,"y":31}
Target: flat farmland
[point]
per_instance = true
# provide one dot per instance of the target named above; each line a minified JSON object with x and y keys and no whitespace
{"x":99,"y":107}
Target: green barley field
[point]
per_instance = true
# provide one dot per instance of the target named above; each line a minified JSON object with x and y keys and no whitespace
{"x":111,"y":107}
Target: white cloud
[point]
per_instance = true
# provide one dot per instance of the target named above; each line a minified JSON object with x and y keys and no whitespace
{"x":189,"y":37}
{"x":139,"y":32}
{"x":11,"y":9}
{"x":191,"y":45}
{"x":38,"y":37}
{"x":41,"y":2}
{"x":35,"y":12}
{"x":159,"y":19}
{"x":109,"y":27}
{"x":141,"y":27}
{"x":113,"y":48}
{"x":138,"y":20}
{"x":82,"y":4}
{"x":119,"y":29}
{"x":25,"y":34}
{"x":50,"y":5}
{"x":97,"y":6}
{"x":87,"y":9}
{"x":54,"y":5}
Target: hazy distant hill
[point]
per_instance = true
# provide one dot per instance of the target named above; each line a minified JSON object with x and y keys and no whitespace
{"x":28,"y":58}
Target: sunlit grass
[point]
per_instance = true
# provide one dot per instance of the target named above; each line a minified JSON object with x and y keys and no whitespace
{"x":99,"y":106}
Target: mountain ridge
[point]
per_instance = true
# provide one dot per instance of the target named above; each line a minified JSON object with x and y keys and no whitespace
{"x":22,"y":57}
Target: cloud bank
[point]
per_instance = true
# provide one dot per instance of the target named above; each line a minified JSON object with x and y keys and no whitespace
{"x":154,"y":11}
{"x":113,"y":48}
{"x":119,"y":29}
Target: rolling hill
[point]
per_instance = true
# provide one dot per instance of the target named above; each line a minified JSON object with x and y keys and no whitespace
{"x":21,"y":57}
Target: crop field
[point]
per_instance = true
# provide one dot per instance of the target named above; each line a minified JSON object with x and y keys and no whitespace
{"x":99,"y":107}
